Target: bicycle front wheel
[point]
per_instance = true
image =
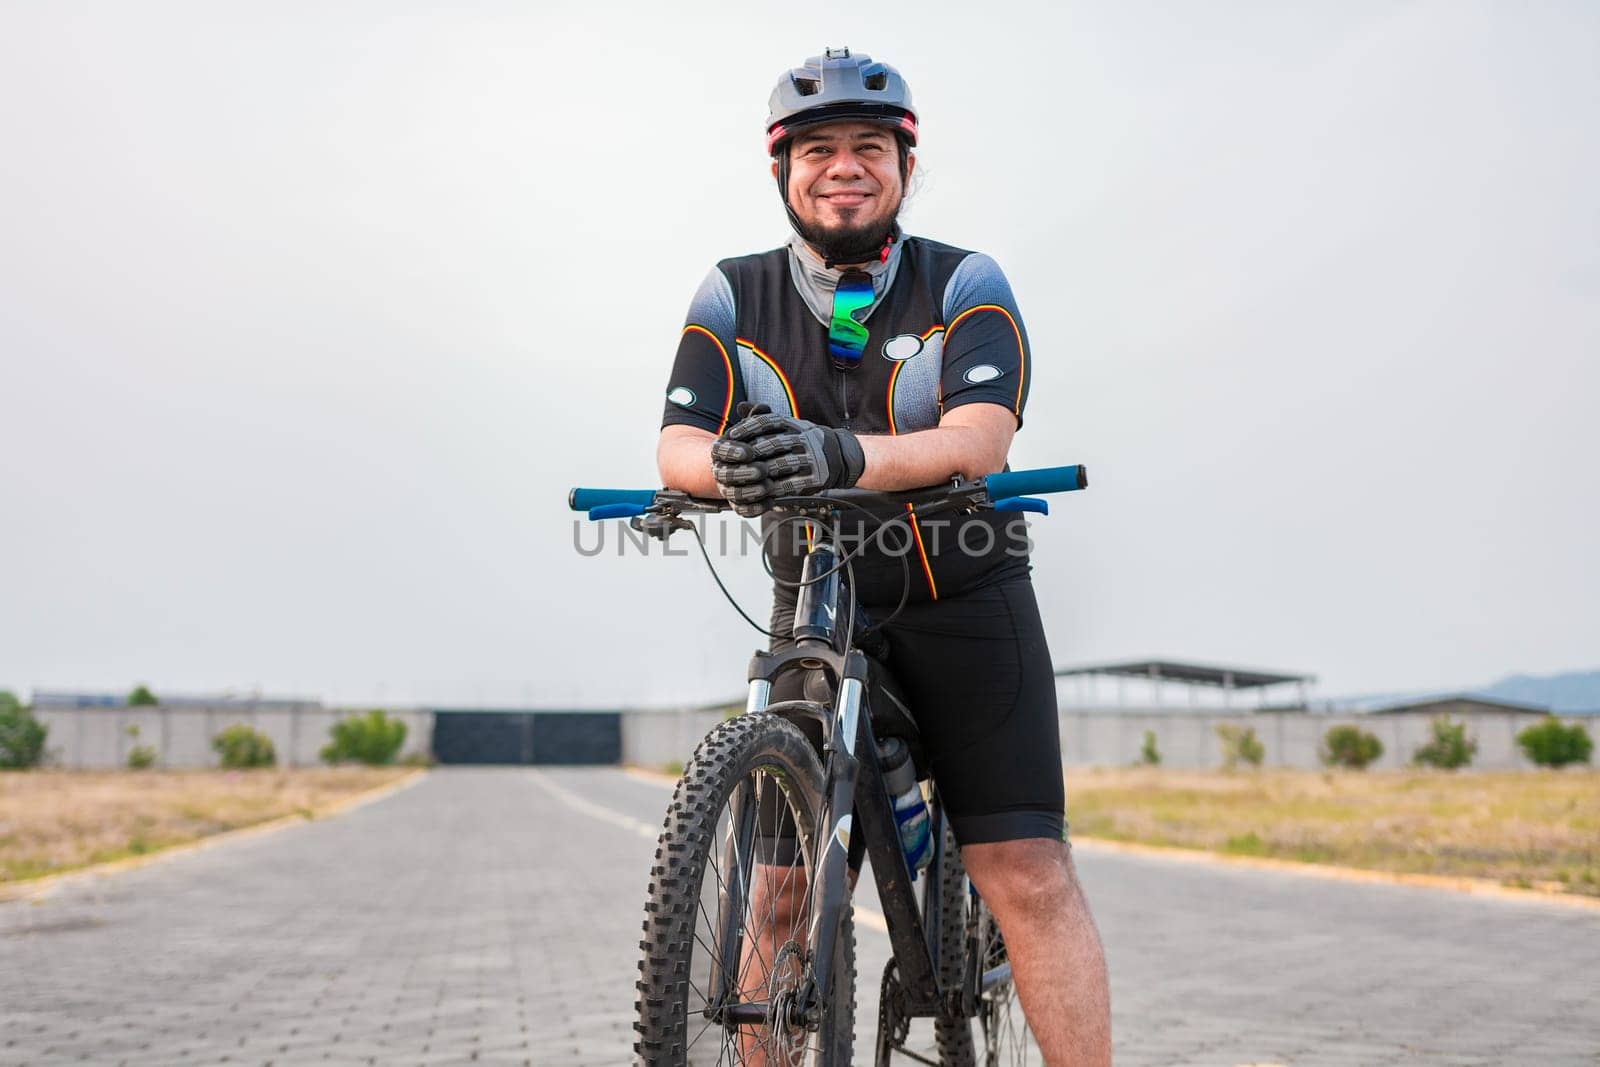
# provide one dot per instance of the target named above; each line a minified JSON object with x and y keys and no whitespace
{"x":729,"y":908}
{"x":1007,"y":1041}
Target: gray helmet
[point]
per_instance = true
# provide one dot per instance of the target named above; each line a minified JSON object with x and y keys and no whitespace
{"x":836,"y":86}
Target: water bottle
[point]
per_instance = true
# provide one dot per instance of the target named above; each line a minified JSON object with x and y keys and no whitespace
{"x":910,"y":810}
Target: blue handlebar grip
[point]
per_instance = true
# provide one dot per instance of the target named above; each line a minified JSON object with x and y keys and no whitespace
{"x":1022,"y":503}
{"x":616,"y":511}
{"x":589,"y":499}
{"x":1043,"y":480}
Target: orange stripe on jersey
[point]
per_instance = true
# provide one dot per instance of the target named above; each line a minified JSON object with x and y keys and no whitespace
{"x":782,"y":377}
{"x":888,"y":400}
{"x":1022,"y":353}
{"x":727,"y":405}
{"x":922,"y":550}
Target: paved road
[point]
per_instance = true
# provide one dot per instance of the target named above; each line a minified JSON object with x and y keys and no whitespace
{"x":493,"y":916}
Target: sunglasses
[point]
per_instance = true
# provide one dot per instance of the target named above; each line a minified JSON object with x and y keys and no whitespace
{"x":847,"y":338}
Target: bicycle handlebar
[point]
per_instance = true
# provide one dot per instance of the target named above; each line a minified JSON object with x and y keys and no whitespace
{"x":1042,"y":480}
{"x":1001,"y":487}
{"x":589,"y":499}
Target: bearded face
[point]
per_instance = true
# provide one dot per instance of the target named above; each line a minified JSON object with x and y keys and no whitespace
{"x":845,"y":188}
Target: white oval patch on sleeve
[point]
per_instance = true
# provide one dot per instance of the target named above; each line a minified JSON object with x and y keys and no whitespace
{"x":902,"y":347}
{"x":983,"y":372}
{"x":682,"y":396}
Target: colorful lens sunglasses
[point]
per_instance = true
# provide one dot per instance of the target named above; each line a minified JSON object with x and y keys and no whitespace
{"x":847,"y":338}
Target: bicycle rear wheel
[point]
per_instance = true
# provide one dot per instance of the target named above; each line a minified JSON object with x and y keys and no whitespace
{"x":954,"y":1036}
{"x":1007,"y":1041}
{"x":717,"y":930}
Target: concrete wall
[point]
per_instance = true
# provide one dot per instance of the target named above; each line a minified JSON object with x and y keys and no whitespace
{"x":657,"y":738}
{"x":1291,"y":739}
{"x":1184,"y":739}
{"x":98,"y":737}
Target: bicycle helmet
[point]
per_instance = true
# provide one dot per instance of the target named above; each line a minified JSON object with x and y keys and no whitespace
{"x":836,"y":86}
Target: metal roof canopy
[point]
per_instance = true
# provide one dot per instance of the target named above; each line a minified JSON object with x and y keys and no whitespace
{"x":1486,"y":703}
{"x":1161,"y":670}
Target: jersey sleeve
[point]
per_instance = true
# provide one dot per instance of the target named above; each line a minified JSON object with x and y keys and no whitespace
{"x":985,"y":346}
{"x":704,"y":388}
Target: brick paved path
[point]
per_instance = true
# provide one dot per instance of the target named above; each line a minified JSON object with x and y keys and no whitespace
{"x":449,"y":924}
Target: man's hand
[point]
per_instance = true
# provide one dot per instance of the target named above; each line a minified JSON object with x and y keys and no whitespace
{"x":764,"y":456}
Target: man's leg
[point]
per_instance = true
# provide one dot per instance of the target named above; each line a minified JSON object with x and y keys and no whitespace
{"x":1054,"y":948}
{"x":777,"y":914}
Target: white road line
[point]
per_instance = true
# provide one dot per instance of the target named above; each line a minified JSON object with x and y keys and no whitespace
{"x":865,"y":916}
{"x":593,"y":810}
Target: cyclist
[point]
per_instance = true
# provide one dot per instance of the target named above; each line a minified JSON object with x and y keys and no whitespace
{"x":891,"y":362}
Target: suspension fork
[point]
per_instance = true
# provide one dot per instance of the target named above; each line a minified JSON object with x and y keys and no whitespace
{"x":833,"y":871}
{"x":733,"y":897}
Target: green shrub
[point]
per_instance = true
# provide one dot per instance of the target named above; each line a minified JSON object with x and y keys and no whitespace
{"x":1450,"y":747}
{"x":373,"y":739}
{"x":1552,"y":743}
{"x":1240,"y":745}
{"x":1349,"y":746}
{"x":1149,"y":755}
{"x":242,"y":748}
{"x":140,"y":756}
{"x":21,"y":735}
{"x":141,"y":697}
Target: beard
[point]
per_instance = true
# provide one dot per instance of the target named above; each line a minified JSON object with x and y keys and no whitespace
{"x":848,"y":242}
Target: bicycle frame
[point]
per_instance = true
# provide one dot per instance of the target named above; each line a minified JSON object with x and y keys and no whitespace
{"x":854,"y":792}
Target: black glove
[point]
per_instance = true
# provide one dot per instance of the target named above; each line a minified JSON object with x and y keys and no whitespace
{"x":764,"y":456}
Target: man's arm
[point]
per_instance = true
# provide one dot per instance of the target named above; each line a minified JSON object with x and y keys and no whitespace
{"x":972,"y":441}
{"x":683,"y":457}
{"x":702,"y":392}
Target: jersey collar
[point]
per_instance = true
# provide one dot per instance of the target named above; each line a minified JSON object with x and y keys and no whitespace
{"x":816,"y":283}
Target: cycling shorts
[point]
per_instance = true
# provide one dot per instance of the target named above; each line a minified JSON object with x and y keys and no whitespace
{"x":977,"y":673}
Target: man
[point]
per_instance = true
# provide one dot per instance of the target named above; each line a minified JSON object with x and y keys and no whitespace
{"x":892,"y":362}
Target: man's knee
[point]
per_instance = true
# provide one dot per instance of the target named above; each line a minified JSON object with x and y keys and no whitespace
{"x":778,"y":895}
{"x":1033,"y":874}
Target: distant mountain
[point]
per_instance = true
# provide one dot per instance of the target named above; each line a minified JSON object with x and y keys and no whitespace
{"x":1573,"y":691}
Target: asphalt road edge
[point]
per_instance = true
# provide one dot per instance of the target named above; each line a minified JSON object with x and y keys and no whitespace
{"x":1479,"y":887}
{"x":36,"y":889}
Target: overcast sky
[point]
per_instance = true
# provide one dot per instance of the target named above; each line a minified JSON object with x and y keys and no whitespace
{"x":311,"y":313}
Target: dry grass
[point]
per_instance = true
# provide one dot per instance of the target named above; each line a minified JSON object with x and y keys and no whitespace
{"x":53,"y":821}
{"x":1523,"y":828}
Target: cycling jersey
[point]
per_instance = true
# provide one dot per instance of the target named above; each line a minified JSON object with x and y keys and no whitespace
{"x":943,"y":331}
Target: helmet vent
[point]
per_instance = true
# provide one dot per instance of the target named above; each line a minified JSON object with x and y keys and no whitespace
{"x":807,"y":86}
{"x":876,"y":82}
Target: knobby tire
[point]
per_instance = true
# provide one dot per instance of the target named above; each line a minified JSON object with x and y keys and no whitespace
{"x":698,"y":869}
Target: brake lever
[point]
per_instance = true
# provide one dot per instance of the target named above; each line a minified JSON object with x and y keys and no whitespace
{"x":660,"y":524}
{"x":968,"y":497}
{"x":665,"y":516}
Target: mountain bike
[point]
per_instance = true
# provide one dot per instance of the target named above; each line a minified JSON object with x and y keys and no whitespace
{"x":749,"y":945}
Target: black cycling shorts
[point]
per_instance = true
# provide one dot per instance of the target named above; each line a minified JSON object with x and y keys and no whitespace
{"x":977,"y":673}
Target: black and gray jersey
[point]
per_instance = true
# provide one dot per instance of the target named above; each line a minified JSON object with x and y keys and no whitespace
{"x":942,"y":331}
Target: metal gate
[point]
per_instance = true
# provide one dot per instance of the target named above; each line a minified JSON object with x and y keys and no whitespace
{"x":527,"y":737}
